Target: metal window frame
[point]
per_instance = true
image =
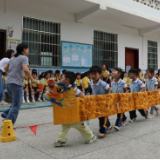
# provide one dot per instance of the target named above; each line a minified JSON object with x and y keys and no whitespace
{"x":113,"y":40}
{"x":58,"y":57}
{"x":156,"y":53}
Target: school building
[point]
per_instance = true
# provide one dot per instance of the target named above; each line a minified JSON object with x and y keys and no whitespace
{"x":76,"y":34}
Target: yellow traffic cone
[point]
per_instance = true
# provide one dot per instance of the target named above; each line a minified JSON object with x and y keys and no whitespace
{"x":7,"y":133}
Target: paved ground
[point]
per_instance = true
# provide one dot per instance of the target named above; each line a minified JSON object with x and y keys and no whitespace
{"x":137,"y":140}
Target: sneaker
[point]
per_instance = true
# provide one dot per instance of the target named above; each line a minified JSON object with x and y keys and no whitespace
{"x":91,"y":140}
{"x":44,"y":100}
{"x":28,"y":101}
{"x":117,"y":128}
{"x":149,"y":117}
{"x":124,"y":123}
{"x":102,"y":135}
{"x":33,"y":101}
{"x":152,"y":116}
{"x":157,"y":112}
{"x":132,"y":120}
{"x":24,"y":102}
{"x":39,"y":100}
{"x":3,"y":103}
{"x":60,"y":144}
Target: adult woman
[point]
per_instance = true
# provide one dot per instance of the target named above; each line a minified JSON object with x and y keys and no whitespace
{"x":3,"y":62}
{"x":15,"y":69}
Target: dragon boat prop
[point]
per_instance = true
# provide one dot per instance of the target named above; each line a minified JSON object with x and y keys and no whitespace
{"x":67,"y":108}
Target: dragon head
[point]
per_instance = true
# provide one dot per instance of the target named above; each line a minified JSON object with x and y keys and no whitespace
{"x":60,"y":94}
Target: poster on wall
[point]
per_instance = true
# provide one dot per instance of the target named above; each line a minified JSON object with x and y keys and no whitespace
{"x":76,"y":54}
{"x":12,"y":44}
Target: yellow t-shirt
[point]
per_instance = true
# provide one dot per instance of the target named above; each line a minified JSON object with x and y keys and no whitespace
{"x":33,"y":84}
{"x":105,"y":74}
{"x":25,"y":82}
{"x":4,"y":79}
{"x":127,"y":80}
{"x":85,"y":82}
{"x":140,"y":76}
{"x":78,"y":82}
{"x":57,"y":79}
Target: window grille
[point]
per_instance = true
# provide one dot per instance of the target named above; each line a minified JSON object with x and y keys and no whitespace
{"x":43,"y":39}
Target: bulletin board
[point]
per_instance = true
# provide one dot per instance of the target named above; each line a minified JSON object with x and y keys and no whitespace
{"x":76,"y":54}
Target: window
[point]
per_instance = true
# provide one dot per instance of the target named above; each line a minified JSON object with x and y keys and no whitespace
{"x":43,"y":39}
{"x":105,"y":49}
{"x":152,"y":55}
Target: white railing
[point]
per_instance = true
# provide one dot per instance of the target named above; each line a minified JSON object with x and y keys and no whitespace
{"x":151,"y":3}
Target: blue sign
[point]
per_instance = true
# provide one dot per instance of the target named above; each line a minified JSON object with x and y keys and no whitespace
{"x":76,"y":54}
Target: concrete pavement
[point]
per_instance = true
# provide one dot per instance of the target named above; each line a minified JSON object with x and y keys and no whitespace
{"x":137,"y":140}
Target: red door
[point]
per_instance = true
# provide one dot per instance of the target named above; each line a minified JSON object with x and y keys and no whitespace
{"x":132,"y":58}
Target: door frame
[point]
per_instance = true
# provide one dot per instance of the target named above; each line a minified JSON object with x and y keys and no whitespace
{"x":5,"y":33}
{"x":135,"y":49}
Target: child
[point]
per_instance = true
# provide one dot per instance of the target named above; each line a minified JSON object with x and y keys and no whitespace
{"x":100,"y":87}
{"x":68,"y":79}
{"x":119,"y":86}
{"x":47,"y":76}
{"x":145,"y":78}
{"x":51,"y":73}
{"x":42,"y":75}
{"x":57,"y":76}
{"x":152,"y":85}
{"x":126,"y":79}
{"x":105,"y":73}
{"x":86,"y":83}
{"x":136,"y":86}
{"x":140,"y":73}
{"x":79,"y":82}
{"x":25,"y":90}
{"x":34,"y":88}
{"x":158,"y":79}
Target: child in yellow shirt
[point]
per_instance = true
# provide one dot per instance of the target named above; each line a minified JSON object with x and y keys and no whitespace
{"x":57,"y":76}
{"x":79,"y":82}
{"x":34,"y":88}
{"x":105,"y":73}
{"x":25,"y":90}
{"x":126,"y":79}
{"x":86,"y":83}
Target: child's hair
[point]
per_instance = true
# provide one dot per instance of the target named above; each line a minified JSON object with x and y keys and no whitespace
{"x":157,"y":74}
{"x":71,"y":76}
{"x":105,"y":66}
{"x":41,"y":76}
{"x":9,"y":53}
{"x":150,"y":70}
{"x":110,"y":71}
{"x":134,"y":71}
{"x":57,"y":72}
{"x":78,"y":74}
{"x":120,"y":71}
{"x":95,"y":69}
{"x":139,"y":70}
{"x":50,"y":71}
{"x":46,"y":74}
{"x":34,"y":71}
{"x":64,"y":71}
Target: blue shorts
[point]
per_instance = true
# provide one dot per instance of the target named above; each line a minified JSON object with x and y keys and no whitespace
{"x":35,"y":88}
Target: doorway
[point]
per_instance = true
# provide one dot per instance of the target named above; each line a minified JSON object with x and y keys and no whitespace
{"x":132,"y":57}
{"x":2,"y":43}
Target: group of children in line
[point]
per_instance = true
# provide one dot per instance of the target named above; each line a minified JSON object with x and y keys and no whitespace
{"x":32,"y":90}
{"x":99,"y":86}
{"x":97,"y":81}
